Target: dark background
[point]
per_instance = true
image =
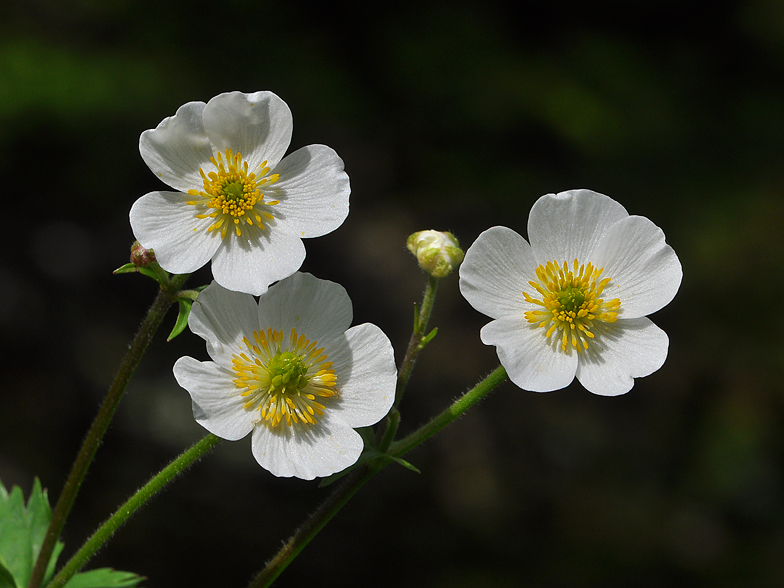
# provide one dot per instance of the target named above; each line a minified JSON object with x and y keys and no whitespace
{"x":453,"y":115}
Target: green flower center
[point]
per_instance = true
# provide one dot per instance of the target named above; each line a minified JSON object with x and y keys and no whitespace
{"x":231,"y":195}
{"x":282,"y":380}
{"x":234,"y":191}
{"x":287,"y":372}
{"x":571,"y":298}
{"x":571,"y":302}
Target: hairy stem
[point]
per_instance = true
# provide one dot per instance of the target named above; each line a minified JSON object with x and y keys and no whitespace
{"x":166,"y":296}
{"x":354,"y":481}
{"x":157,"y":483}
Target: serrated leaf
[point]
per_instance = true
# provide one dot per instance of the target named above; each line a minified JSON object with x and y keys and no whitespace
{"x":22,"y":530}
{"x":104,"y":578}
{"x":182,"y":318}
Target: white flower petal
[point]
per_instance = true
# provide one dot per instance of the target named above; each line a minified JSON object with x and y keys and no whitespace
{"x":222,"y":318}
{"x":307,"y":453}
{"x":178,"y":147}
{"x":364,"y":363}
{"x":645,"y":271}
{"x":568,"y":225}
{"x":217,"y":405}
{"x":162,"y":221}
{"x":532,"y":361}
{"x":257,"y":125}
{"x":622,"y":351}
{"x":313,"y":191}
{"x":252,"y":264}
{"x":495,"y":271}
{"x":318,"y":309}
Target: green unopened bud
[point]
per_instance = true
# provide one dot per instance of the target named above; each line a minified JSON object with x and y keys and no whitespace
{"x":140,"y":256}
{"x":437,"y":252}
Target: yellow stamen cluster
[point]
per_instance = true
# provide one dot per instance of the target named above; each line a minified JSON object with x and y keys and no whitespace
{"x":282,"y":381}
{"x":571,"y":302}
{"x":233,"y":193}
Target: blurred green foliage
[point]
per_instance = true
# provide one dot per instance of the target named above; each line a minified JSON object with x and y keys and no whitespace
{"x":455,"y":116}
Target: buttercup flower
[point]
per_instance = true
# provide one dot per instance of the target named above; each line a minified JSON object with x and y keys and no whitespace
{"x":574,"y":302}
{"x":290,"y":371}
{"x":237,"y":202}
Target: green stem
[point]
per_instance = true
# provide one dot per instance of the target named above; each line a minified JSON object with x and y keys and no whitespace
{"x":387,"y":432}
{"x":415,"y":343}
{"x":328,"y":509}
{"x":393,"y":420}
{"x":458,"y":408}
{"x":361,"y":475}
{"x":102,"y":535}
{"x":166,"y":296}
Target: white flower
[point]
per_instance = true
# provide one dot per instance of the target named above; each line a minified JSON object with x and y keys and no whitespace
{"x":574,"y":301}
{"x":237,"y":203}
{"x":289,"y":370}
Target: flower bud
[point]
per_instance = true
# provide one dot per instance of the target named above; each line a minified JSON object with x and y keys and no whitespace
{"x":437,"y":252}
{"x":140,"y":256}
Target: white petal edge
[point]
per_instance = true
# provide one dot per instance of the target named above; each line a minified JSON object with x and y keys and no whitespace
{"x":313,"y":191}
{"x":319,"y":309}
{"x":569,"y":225}
{"x":178,"y":147}
{"x":645,"y":271}
{"x":164,"y":222}
{"x":306,"y":453}
{"x":495,"y":271}
{"x":251,"y":264}
{"x":364,"y":363}
{"x":258,"y":126}
{"x":217,"y":404}
{"x":222,"y":318}
{"x":530,"y":359}
{"x":628,"y":349}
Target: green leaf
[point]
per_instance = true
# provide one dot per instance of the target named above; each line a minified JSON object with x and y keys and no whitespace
{"x":131,"y":268}
{"x":405,"y":464}
{"x":6,"y":578}
{"x":126,"y":269}
{"x":368,"y":454}
{"x":22,"y":530}
{"x":104,"y":578}
{"x":182,"y":319}
{"x":49,"y":573}
{"x":428,"y":338}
